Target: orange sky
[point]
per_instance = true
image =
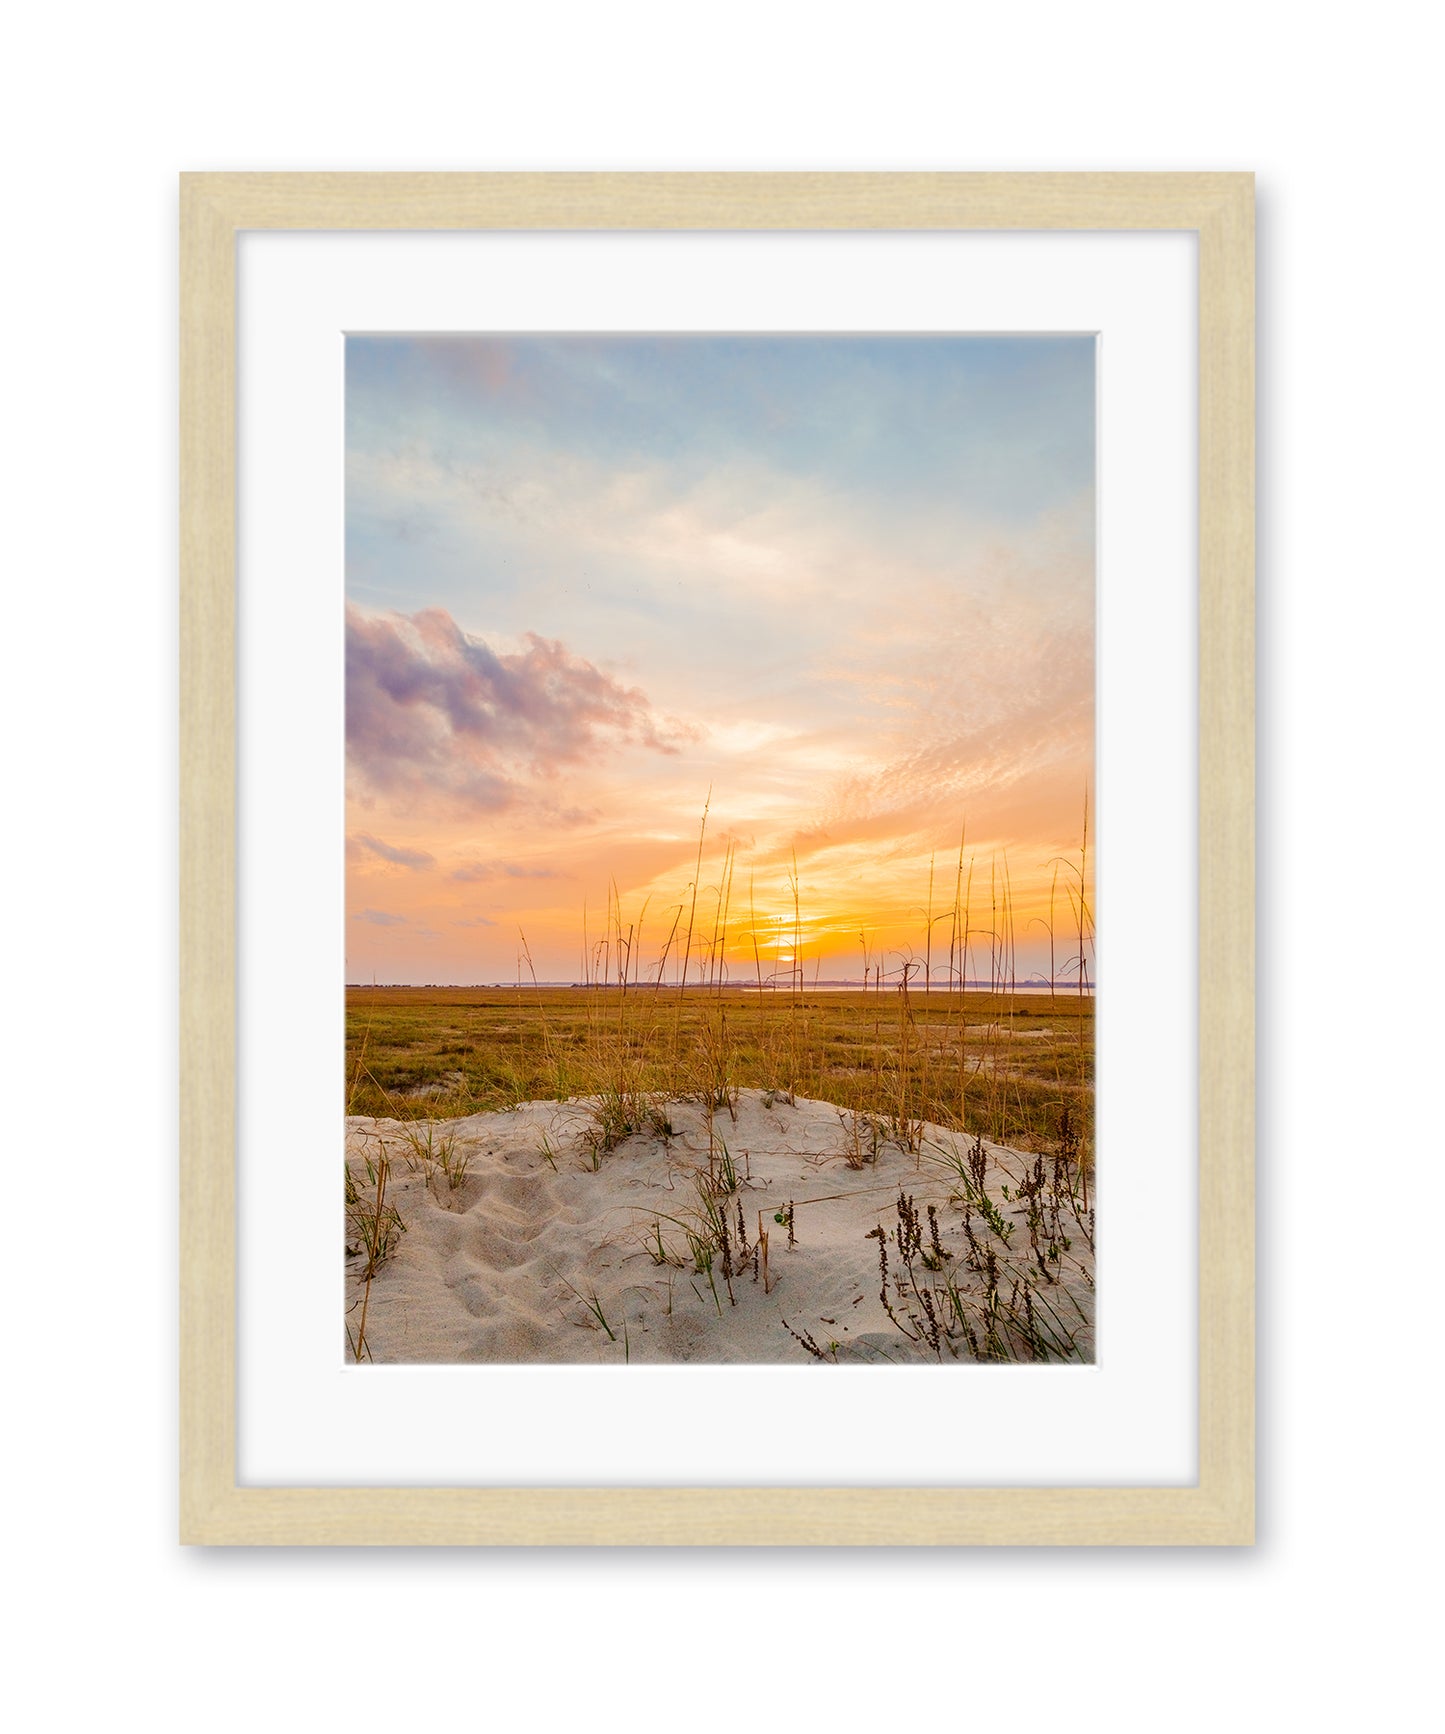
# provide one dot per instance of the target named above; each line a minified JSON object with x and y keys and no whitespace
{"x":846,"y":585}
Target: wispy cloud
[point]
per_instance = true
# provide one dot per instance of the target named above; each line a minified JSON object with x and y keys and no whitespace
{"x":379,"y":918}
{"x":361,"y":845}
{"x":475,"y":872}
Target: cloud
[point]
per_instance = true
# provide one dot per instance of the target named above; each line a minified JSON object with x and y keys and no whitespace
{"x":475,"y":921}
{"x":360,"y":845}
{"x":380,"y":918}
{"x":473,"y":872}
{"x":431,"y":710}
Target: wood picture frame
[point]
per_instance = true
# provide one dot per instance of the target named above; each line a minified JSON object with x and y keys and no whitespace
{"x":215,"y":1509}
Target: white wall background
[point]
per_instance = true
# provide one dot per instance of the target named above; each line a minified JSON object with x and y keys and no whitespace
{"x":1323,"y":1625}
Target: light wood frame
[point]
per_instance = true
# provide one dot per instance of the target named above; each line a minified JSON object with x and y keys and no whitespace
{"x":1219,"y":1509}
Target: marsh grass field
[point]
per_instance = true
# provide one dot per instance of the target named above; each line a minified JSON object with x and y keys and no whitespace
{"x":1017,"y":1068}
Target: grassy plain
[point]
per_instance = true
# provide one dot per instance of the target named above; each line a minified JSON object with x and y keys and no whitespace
{"x":1017,"y":1068}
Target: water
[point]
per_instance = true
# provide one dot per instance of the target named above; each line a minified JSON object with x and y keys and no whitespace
{"x":1059,"y":989}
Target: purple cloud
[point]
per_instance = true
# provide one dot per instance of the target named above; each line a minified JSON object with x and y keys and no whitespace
{"x":431,"y":709}
{"x":380,"y":918}
{"x":361,"y":844}
{"x":475,"y":871}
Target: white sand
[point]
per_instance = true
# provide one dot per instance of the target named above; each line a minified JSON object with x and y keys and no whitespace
{"x":503,"y":1267}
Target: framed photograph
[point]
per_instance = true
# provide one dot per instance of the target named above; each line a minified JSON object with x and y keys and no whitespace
{"x":717,"y":827}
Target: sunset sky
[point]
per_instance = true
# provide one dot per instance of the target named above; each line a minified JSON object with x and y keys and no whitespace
{"x":846,"y":583}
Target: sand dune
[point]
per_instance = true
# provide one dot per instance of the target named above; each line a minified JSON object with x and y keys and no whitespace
{"x":535,"y":1255}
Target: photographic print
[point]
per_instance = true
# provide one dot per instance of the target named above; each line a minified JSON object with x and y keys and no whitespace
{"x":720,"y":949}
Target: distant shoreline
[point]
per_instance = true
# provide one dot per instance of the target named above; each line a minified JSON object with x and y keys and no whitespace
{"x":711,"y":991}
